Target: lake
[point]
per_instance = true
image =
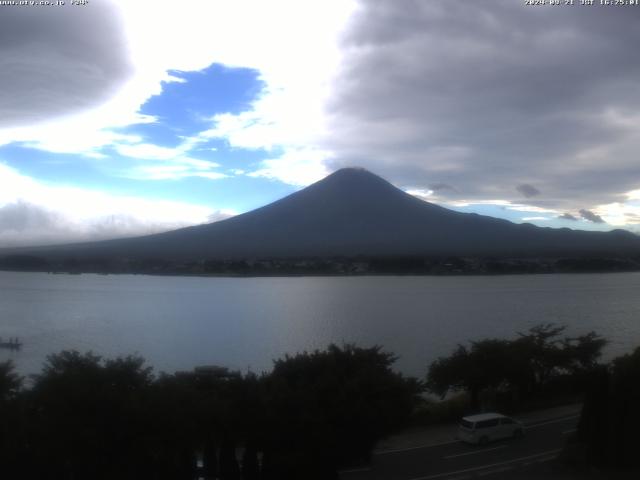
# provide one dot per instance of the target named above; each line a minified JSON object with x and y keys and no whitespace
{"x":177,"y":323}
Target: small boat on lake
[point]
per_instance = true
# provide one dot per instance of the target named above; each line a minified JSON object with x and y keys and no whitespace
{"x":12,"y":344}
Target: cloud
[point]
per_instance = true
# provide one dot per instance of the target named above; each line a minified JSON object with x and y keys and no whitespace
{"x":501,"y":203}
{"x":477,"y":97}
{"x":528,"y":190}
{"x":23,"y":223}
{"x":59,"y":61}
{"x":296,"y":166}
{"x":133,"y":56}
{"x":297,"y":65}
{"x":592,"y":217}
{"x":174,"y":171}
{"x":21,"y":216}
{"x":220,"y":215}
{"x":567,"y":216}
{"x":33,"y":213}
{"x":436,"y":187}
{"x":176,"y":163}
{"x":420,"y":192}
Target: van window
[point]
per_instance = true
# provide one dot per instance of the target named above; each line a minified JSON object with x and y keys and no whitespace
{"x":506,"y":421}
{"x":488,"y":423}
{"x":466,"y":424}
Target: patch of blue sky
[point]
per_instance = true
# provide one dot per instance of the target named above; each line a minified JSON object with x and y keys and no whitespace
{"x":185,"y":107}
{"x":535,"y":218}
{"x":238,"y":192}
{"x":60,"y":168}
{"x":256,"y":192}
{"x":497,"y":211}
{"x":68,"y":169}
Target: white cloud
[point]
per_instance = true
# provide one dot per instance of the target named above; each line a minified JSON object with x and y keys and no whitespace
{"x":295,"y":47}
{"x":502,"y":203}
{"x":176,"y":163}
{"x":531,"y":219}
{"x":296,"y":166}
{"x":32,"y":212}
{"x":619,"y":214}
{"x":149,"y":151}
{"x":419,"y":192}
{"x":170,"y":172}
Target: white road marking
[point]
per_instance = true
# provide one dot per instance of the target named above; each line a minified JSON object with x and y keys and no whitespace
{"x":567,"y":432}
{"x":356,"y":470}
{"x":557,"y":420}
{"x":495,"y":470}
{"x":475,"y":452}
{"x":429,"y":445}
{"x":483,"y":467}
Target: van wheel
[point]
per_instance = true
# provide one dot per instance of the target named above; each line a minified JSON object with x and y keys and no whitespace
{"x":483,"y":441}
{"x":518,"y":433}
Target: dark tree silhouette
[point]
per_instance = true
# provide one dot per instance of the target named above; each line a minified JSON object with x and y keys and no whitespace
{"x":329,"y":408}
{"x":90,"y":419}
{"x":525,"y":365}
{"x":484,"y":365}
{"x":10,"y":381}
{"x":12,"y":435}
{"x":85,"y":417}
{"x":610,"y":418}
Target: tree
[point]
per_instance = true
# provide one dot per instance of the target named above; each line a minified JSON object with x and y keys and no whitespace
{"x":544,"y":352}
{"x":91,"y":417}
{"x":329,"y":408}
{"x":482,"y":366}
{"x":12,"y":435}
{"x":10,"y":381}
{"x":583,"y":351}
{"x":610,"y":418}
{"x":543,"y":356}
{"x":526,"y":365}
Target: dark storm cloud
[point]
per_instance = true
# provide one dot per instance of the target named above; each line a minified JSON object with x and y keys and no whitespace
{"x":528,"y":190}
{"x":58,"y":60}
{"x":568,"y":216}
{"x":481,"y":94}
{"x":592,"y":217}
{"x":437,"y":187}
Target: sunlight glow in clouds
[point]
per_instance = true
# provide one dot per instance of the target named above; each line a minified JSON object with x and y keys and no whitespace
{"x":292,"y":44}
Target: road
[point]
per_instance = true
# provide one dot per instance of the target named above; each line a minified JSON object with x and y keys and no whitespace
{"x":457,"y":461}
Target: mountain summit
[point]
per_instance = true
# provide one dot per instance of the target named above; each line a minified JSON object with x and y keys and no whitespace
{"x":354,"y":212}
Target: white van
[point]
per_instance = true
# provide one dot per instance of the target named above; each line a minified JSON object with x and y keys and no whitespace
{"x":485,"y":427}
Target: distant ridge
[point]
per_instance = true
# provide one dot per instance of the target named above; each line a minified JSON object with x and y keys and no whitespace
{"x":349,"y":213}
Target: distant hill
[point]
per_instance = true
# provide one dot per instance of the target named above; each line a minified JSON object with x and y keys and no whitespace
{"x":349,"y":213}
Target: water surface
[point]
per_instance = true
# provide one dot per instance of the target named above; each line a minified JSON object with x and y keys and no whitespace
{"x":177,"y":323}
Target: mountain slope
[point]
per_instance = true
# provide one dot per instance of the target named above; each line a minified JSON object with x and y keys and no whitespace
{"x":354,"y":212}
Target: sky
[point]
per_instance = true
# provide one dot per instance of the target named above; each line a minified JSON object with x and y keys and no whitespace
{"x":126,"y":118}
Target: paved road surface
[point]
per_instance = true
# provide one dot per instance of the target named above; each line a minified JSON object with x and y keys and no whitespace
{"x":457,"y":461}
